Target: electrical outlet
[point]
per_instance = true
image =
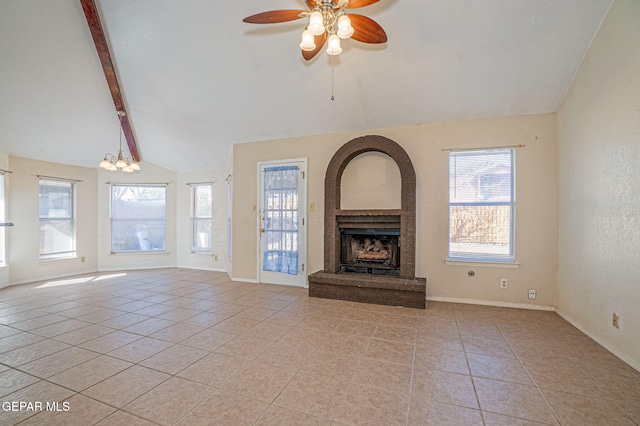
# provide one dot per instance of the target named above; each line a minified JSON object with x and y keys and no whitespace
{"x":616,"y":321}
{"x":312,"y":207}
{"x":504,"y":283}
{"x":532,"y":294}
{"x":82,"y":259}
{"x":215,"y":257}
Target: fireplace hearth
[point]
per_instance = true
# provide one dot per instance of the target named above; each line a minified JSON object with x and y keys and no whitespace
{"x":369,"y":255}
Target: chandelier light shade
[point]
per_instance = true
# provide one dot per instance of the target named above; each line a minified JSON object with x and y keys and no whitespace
{"x":114,"y":163}
{"x":328,"y":22}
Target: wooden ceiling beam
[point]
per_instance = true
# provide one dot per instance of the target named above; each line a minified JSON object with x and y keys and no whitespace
{"x":100,"y":41}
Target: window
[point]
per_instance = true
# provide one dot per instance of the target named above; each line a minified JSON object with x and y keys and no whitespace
{"x":138,"y":218}
{"x":481,"y":205}
{"x":57,"y":219}
{"x":229,"y":214}
{"x":201,"y":204}
{"x":281,"y":226}
{"x":2,"y":219}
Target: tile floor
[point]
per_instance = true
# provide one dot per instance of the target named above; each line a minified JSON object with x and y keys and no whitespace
{"x":176,"y":346}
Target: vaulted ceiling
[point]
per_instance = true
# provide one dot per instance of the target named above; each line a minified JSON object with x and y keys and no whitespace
{"x":197,"y":80}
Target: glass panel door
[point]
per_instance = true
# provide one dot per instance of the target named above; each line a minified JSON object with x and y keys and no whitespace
{"x":281,"y":211}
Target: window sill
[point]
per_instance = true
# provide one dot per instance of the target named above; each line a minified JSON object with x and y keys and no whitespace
{"x":202,"y":253}
{"x":504,"y":265}
{"x":57,"y":259}
{"x":139,"y":253}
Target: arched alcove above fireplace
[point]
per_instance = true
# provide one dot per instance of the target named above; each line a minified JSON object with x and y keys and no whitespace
{"x":369,"y":255}
{"x":370,"y":181}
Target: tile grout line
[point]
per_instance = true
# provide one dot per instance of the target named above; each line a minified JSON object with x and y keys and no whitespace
{"x":535,"y":384}
{"x":466,"y":357}
{"x":413,"y":365}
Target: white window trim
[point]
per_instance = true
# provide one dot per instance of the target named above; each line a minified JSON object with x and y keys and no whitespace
{"x":67,"y":255}
{"x":487,"y":260}
{"x":193,"y":218}
{"x":135,"y":252}
{"x":3,"y":218}
{"x":487,"y":264}
{"x":229,"y":216}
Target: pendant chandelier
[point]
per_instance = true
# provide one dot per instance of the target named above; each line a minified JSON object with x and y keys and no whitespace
{"x":120,"y":162}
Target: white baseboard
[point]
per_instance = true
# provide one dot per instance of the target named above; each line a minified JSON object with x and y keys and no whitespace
{"x":51,"y":277}
{"x":134,"y":268}
{"x":244,"y":280}
{"x":598,"y":340}
{"x":492,"y":303}
{"x":202,"y":269}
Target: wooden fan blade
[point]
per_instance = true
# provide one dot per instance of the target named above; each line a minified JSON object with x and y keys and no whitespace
{"x":274,"y":16}
{"x":311,"y":3}
{"x":354,"y":4}
{"x":366,"y":30}
{"x":319,"y":41}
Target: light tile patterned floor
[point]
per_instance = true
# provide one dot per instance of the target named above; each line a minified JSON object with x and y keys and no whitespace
{"x":177,"y":346}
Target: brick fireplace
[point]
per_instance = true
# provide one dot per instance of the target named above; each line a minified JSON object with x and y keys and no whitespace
{"x":369,"y":255}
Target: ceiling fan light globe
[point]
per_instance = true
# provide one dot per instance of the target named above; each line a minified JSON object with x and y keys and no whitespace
{"x":308,"y":44}
{"x":127,"y":169}
{"x":135,"y":166}
{"x":316,"y":23}
{"x":112,"y":167}
{"x":345,"y":33}
{"x":334,"y":45}
{"x":345,"y":30}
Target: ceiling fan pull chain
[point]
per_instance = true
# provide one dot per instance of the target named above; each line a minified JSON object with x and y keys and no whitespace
{"x":331,"y":59}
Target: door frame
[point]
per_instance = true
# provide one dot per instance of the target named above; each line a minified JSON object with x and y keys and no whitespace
{"x":302,"y":217}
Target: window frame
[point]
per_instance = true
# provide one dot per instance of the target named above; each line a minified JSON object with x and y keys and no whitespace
{"x":3,"y":218}
{"x":69,"y":254}
{"x":485,"y":258}
{"x":112,"y":219}
{"x":229,"y":216}
{"x":194,"y":219}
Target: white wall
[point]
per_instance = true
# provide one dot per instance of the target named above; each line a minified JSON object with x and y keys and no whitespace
{"x":599,"y":185}
{"x":370,"y":181}
{"x":4,"y":269}
{"x":24,"y":238}
{"x":535,"y":212}
{"x":93,"y":226}
{"x":150,"y":174}
{"x":218,"y":260}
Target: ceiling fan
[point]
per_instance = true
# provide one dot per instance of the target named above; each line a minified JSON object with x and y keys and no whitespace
{"x":328,"y":20}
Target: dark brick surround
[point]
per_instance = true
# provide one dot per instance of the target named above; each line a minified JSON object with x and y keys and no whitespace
{"x":349,"y":286}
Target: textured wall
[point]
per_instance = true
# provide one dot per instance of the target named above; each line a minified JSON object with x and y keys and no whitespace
{"x":535,"y":205}
{"x":218,"y":260}
{"x":24,"y":238}
{"x":376,"y":172}
{"x":599,"y":182}
{"x":4,"y":269}
{"x":149,"y":174}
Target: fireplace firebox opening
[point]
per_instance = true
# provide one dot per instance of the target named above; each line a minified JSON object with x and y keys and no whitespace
{"x":370,"y":251}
